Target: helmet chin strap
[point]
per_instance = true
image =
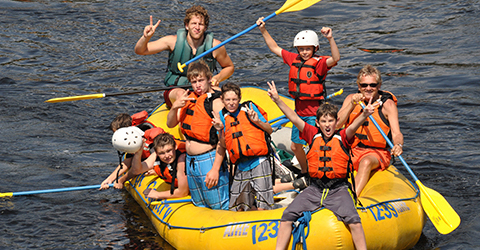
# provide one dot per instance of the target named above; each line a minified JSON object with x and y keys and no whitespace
{"x":120,"y":156}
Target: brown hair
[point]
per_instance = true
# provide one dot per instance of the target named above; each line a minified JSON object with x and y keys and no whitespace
{"x":197,"y":10}
{"x":121,"y":121}
{"x":232,"y":87}
{"x":327,"y":109}
{"x":369,"y":70}
{"x":163,"y":140}
{"x":199,"y":68}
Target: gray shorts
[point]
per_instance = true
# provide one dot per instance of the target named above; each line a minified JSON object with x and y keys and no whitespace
{"x":252,"y":188}
{"x":338,"y":200}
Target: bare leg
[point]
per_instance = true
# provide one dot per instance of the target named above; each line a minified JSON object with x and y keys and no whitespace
{"x":363,"y":175}
{"x":358,"y":236}
{"x":284,"y":235}
{"x":300,"y":154}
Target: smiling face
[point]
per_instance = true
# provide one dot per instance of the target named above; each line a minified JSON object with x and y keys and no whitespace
{"x":231,"y":101}
{"x":306,"y":52}
{"x":327,"y":124}
{"x":369,"y":87}
{"x":196,"y":27}
{"x":166,"y":153}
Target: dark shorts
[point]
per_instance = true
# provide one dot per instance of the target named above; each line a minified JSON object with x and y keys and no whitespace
{"x":338,"y":200}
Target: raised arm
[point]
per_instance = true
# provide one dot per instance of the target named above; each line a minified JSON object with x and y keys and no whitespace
{"x":272,"y":45}
{"x":348,"y":105}
{"x":173,"y":116}
{"x":332,"y":61}
{"x":367,"y":111}
{"x":145,"y":47}
{"x":289,"y":113}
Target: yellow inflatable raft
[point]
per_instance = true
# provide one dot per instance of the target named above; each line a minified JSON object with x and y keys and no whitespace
{"x":392,"y":216}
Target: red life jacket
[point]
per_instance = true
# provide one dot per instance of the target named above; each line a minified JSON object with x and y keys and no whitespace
{"x":367,"y":135}
{"x":140,"y":120}
{"x":328,"y":161}
{"x":168,"y":172}
{"x":149,"y":137}
{"x":243,"y":138}
{"x":196,"y":118}
{"x":304,"y":83}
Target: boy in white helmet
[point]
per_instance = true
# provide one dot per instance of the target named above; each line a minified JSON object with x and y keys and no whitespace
{"x":306,"y":80}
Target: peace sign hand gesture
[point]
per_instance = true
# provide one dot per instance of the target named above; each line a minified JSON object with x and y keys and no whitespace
{"x":217,"y":123}
{"x":252,"y":114}
{"x":182,"y":101}
{"x":150,"y":29}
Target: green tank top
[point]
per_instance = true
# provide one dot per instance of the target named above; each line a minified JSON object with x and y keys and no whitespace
{"x":183,"y":53}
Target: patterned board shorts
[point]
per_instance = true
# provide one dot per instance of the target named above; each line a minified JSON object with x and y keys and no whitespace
{"x":197,"y":167}
{"x":252,"y":188}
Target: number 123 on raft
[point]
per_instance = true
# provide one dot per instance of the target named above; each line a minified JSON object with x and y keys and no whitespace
{"x":259,"y":232}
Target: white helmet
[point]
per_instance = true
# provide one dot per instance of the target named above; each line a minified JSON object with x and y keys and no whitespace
{"x":128,"y":140}
{"x":306,"y":38}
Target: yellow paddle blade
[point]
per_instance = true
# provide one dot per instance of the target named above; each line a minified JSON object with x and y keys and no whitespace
{"x":442,"y":215}
{"x":75,"y":98}
{"x":296,"y":5}
{"x":2,"y":195}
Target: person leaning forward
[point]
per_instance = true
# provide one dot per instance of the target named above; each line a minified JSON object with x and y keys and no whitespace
{"x":189,"y":41}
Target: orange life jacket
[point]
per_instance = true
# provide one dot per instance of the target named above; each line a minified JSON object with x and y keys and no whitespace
{"x":197,"y":116}
{"x":168,"y":172}
{"x":304,"y":83}
{"x":243,"y":138}
{"x":329,"y":161}
{"x":367,"y":135}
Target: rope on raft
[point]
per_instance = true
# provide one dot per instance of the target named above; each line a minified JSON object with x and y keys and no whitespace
{"x":298,"y":231}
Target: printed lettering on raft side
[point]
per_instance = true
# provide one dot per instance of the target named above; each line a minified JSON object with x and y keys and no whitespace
{"x":162,"y":210}
{"x":138,"y":180}
{"x":388,"y":210}
{"x":235,"y":231}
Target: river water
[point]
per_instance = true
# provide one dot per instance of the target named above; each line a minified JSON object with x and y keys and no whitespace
{"x":427,"y":51}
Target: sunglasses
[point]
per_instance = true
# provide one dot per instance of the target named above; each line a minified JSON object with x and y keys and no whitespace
{"x":372,"y":85}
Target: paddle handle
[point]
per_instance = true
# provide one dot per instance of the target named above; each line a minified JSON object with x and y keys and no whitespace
{"x":181,"y":66}
{"x":391,"y":145}
{"x":51,"y":190}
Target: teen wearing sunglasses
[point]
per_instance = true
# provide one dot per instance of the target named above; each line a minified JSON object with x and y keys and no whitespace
{"x":370,"y":150}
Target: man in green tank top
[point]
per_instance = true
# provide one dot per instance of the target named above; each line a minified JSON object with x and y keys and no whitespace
{"x":188,"y":42}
